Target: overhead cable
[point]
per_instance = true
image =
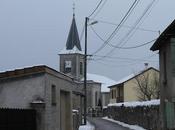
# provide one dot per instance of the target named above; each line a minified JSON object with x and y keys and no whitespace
{"x":129,"y":59}
{"x":95,"y":8}
{"x":82,"y":33}
{"x":98,"y":11}
{"x":123,"y":40}
{"x":125,"y":26}
{"x":128,"y":35}
{"x":119,"y":47}
{"x":119,"y":26}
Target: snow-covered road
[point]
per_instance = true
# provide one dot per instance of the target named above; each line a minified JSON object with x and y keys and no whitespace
{"x":87,"y":127}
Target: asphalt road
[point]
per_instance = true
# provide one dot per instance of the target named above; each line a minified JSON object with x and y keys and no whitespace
{"x":101,"y":124}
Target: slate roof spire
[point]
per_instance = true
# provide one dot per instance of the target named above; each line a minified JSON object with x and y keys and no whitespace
{"x":73,"y":37}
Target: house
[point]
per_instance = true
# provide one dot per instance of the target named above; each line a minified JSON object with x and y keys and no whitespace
{"x":43,"y":89}
{"x":105,"y":83}
{"x":165,"y":44}
{"x":128,"y":89}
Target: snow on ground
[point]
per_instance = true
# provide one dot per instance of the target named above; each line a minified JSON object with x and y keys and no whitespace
{"x":88,"y":126}
{"x":137,"y":103}
{"x":132,"y":127}
{"x":105,"y":81}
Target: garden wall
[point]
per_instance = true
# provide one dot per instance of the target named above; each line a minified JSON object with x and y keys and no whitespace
{"x":144,"y":114}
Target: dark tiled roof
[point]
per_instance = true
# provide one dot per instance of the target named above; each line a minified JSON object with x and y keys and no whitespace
{"x":73,"y":37}
{"x":167,"y":33}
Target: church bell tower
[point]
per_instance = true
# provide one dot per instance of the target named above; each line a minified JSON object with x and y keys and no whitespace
{"x":72,"y":57}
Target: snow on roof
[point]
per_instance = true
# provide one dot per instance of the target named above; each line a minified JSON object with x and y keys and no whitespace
{"x":125,"y":79}
{"x":75,"y":50}
{"x":132,"y":75}
{"x":137,"y":103}
{"x":105,"y":81}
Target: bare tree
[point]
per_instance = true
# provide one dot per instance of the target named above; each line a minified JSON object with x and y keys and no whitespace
{"x":147,"y":85}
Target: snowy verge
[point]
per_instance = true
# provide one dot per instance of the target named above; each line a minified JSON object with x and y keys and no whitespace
{"x":137,"y":103}
{"x":88,"y":126}
{"x":132,"y":127}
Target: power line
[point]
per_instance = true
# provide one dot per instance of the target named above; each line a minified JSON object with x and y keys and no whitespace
{"x":82,"y":33}
{"x":95,"y":8}
{"x":114,"y":46}
{"x":140,"y":21}
{"x":99,"y":9}
{"x":129,"y":59}
{"x":125,"y":26}
{"x":114,"y":66}
{"x":118,"y":27}
{"x":133,"y":47}
{"x":123,"y":40}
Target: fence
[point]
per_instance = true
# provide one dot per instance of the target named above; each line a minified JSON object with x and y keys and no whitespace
{"x":76,"y":119}
{"x":145,"y":116}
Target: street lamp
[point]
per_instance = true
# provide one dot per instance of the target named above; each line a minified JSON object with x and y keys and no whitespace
{"x":85,"y":68}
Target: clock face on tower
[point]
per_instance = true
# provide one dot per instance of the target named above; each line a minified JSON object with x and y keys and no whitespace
{"x":68,"y":64}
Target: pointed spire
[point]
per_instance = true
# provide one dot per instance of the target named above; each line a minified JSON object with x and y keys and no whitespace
{"x":73,"y":37}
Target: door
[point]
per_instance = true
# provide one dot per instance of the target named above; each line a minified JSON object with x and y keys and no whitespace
{"x":65,"y":111}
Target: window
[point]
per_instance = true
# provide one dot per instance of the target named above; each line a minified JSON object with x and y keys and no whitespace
{"x":81,"y":68}
{"x":165,"y":68}
{"x":96,"y":98}
{"x":53,"y":95}
{"x":113,"y":92}
{"x":173,"y":56}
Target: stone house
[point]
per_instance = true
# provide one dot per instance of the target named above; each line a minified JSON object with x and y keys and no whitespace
{"x":44,"y":89}
{"x":165,"y":44}
{"x":127,"y":89}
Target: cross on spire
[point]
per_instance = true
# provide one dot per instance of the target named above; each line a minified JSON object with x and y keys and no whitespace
{"x":73,"y":9}
{"x":73,"y":37}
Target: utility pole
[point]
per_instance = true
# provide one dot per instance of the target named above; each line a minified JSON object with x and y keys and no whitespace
{"x":85,"y":68}
{"x":85,"y":72}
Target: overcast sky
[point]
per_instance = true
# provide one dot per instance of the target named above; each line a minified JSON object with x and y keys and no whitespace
{"x":33,"y":32}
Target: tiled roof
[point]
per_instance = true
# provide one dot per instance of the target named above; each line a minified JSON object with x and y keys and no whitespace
{"x":167,"y":33}
{"x":131,"y":76}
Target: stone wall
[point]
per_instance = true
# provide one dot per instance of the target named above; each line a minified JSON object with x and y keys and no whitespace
{"x":144,"y":116}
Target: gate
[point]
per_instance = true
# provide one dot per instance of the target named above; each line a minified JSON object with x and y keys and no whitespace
{"x":17,"y":119}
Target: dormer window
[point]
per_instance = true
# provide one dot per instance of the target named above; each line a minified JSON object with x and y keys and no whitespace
{"x":68,"y":66}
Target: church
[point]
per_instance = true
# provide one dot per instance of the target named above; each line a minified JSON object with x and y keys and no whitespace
{"x":52,"y":94}
{"x":72,"y":64}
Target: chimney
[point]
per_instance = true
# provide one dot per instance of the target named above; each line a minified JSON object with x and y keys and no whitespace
{"x":146,"y":65}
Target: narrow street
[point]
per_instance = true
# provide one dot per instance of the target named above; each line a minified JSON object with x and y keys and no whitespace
{"x":101,"y":124}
